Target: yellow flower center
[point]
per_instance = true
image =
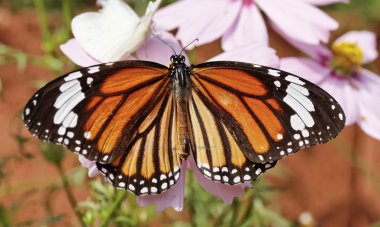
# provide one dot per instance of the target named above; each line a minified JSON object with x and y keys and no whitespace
{"x":347,"y":57}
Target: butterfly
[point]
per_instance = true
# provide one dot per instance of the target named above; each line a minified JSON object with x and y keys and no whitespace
{"x":138,"y":120}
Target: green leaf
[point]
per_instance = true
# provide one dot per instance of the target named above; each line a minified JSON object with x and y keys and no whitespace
{"x":4,"y":219}
{"x":52,"y":153}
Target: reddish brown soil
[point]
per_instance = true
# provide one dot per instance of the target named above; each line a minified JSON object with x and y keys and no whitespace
{"x":318,"y":180}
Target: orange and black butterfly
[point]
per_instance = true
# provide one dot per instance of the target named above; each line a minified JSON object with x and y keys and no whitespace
{"x":138,"y":120}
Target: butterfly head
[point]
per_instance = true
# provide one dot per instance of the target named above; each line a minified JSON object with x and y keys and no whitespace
{"x":177,"y":59}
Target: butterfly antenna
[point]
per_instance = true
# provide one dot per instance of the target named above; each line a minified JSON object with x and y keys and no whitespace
{"x":165,"y":43}
{"x":195,"y":40}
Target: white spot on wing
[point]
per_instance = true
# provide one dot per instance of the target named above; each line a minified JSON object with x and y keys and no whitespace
{"x":306,"y":103}
{"x":68,"y":85}
{"x":69,"y":118}
{"x":73,"y":76}
{"x":274,"y":72}
{"x":67,"y":107}
{"x":94,"y":69}
{"x":144,"y":190}
{"x":277,"y":83}
{"x":294,"y":79}
{"x":296,"y":122}
{"x":70,"y":134}
{"x":89,"y":80}
{"x":87,"y":135}
{"x":300,"y":89}
{"x":300,"y":110}
{"x":66,"y":95}
{"x":61,"y":131}
{"x":237,"y":179}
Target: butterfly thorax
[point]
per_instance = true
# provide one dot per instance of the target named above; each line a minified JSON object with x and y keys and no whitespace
{"x":180,"y":74}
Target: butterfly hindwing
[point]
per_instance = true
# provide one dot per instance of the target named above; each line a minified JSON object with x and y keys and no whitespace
{"x":96,"y":111}
{"x":269,"y":113}
{"x":150,"y":164}
{"x":215,"y":151}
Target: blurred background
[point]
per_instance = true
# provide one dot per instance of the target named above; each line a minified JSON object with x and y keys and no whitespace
{"x":336,"y":184}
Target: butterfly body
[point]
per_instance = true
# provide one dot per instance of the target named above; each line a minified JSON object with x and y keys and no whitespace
{"x":180,"y":74}
{"x":139,"y":120}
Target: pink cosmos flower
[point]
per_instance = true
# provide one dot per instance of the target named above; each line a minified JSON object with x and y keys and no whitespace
{"x":240,"y":22}
{"x":155,"y":50}
{"x":339,"y":71}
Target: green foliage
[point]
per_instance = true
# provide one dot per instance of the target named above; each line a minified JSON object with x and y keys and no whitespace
{"x":53,"y":153}
{"x":368,"y":10}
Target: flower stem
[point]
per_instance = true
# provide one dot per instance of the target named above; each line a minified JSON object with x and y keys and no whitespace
{"x":115,"y":206}
{"x":235,"y":208}
{"x":69,"y":194}
{"x":67,"y":11}
{"x":353,"y":180}
{"x":40,"y":6}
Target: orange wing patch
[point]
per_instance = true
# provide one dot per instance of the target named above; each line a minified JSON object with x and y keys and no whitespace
{"x":123,"y":116}
{"x":93,"y":102}
{"x":234,"y":106}
{"x":235,"y":79}
{"x":269,"y":119}
{"x":130,"y":78}
{"x":95,"y":122}
{"x":275,"y":105}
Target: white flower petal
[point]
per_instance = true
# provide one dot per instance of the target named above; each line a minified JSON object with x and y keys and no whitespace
{"x":113,"y":32}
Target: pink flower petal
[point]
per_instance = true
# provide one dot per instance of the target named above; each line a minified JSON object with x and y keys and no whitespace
{"x":74,"y":51}
{"x":299,"y":20}
{"x":157,"y":51}
{"x":173,"y":197}
{"x":325,"y":2}
{"x":369,"y":94}
{"x":91,"y":166}
{"x":318,"y":52}
{"x":225,"y":192}
{"x":305,"y":68}
{"x":208,"y":25}
{"x":346,"y":94}
{"x":258,"y":53}
{"x":366,"y":40}
{"x":180,"y":10}
{"x":248,"y":28}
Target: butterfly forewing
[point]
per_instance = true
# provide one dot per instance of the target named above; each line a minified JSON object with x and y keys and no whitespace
{"x":268,"y":112}
{"x":96,"y":111}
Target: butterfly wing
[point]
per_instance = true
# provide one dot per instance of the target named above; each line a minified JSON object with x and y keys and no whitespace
{"x":265,"y":112}
{"x":96,"y":111}
{"x":215,"y":151}
{"x":151,"y":164}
